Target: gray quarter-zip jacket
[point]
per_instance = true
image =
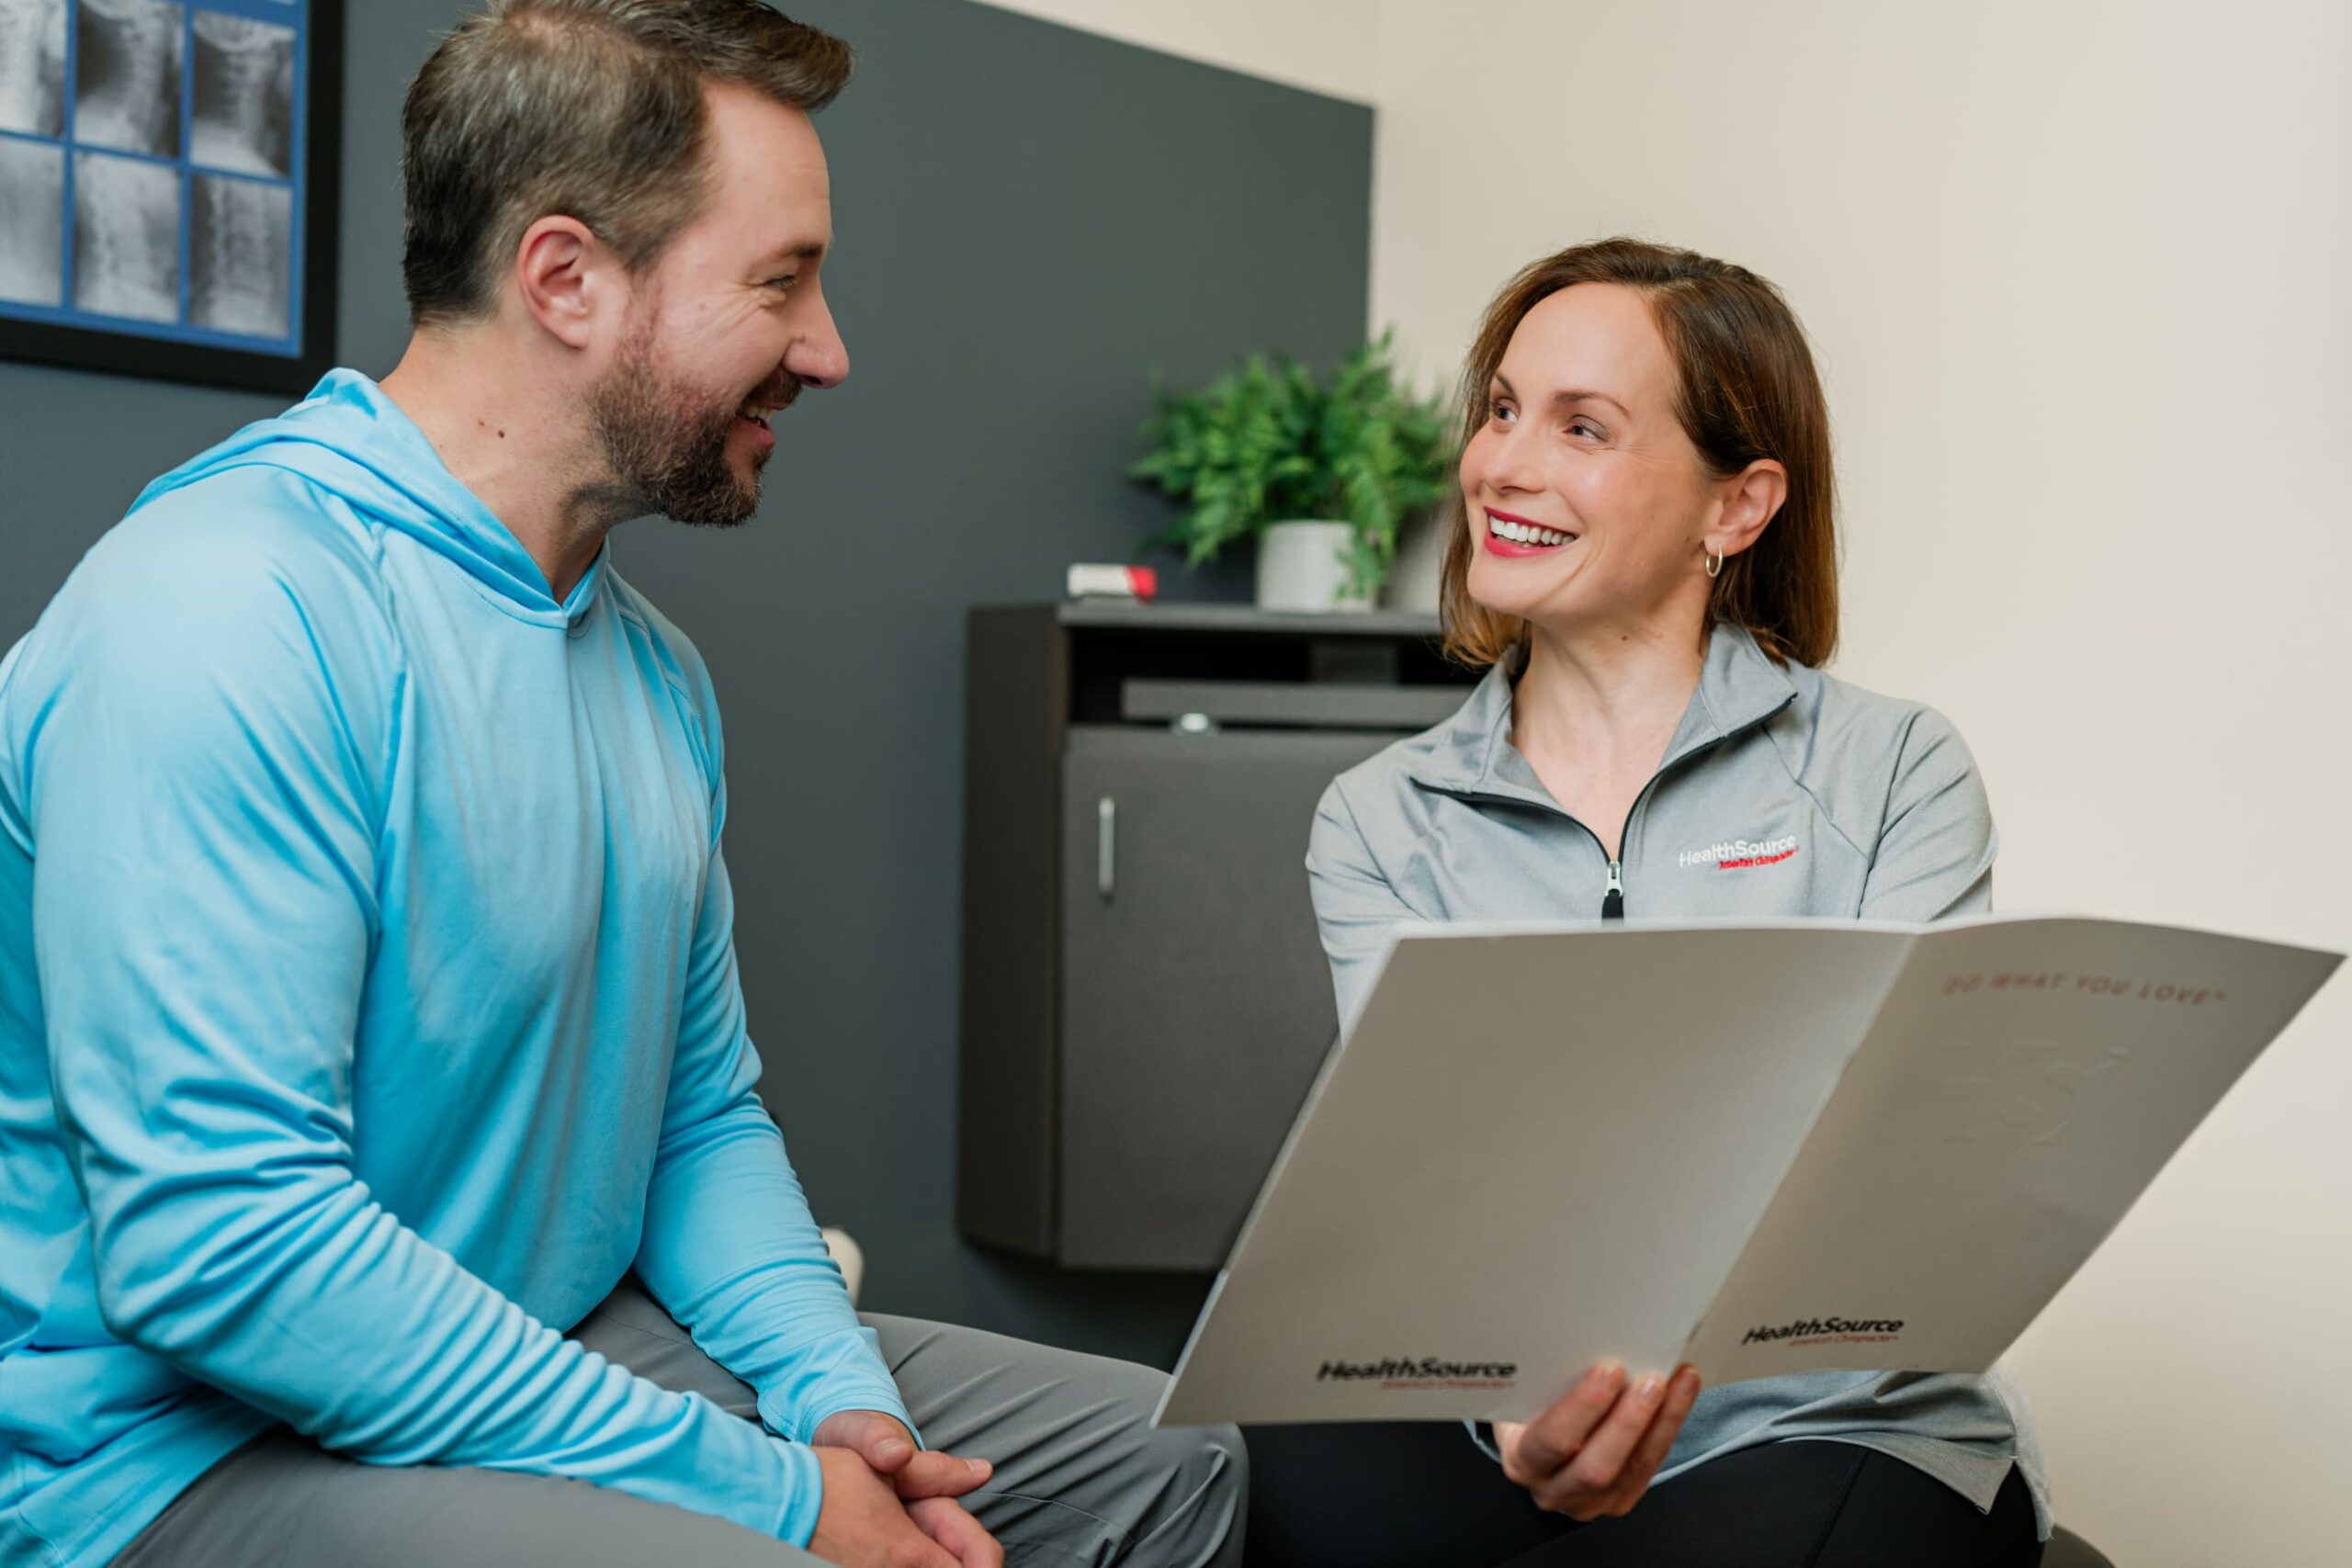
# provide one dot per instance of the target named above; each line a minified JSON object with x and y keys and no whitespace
{"x":1783,"y":792}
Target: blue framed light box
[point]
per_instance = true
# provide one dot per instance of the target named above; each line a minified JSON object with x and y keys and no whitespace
{"x":167,"y":173}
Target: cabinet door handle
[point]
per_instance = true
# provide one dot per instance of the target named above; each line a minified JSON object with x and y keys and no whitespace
{"x":1106,"y":847}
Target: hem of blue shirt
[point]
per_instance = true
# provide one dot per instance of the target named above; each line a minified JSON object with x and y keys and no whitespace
{"x":804,"y":1499}
{"x":84,"y":1516}
{"x":151,"y":1466}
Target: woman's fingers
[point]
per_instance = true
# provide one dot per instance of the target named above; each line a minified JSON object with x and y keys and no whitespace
{"x":1585,"y":1486}
{"x":1643,"y":1463}
{"x":1595,"y":1452}
{"x":1550,"y":1441}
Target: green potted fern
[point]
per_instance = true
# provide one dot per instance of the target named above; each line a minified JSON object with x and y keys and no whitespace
{"x":1321,"y":473}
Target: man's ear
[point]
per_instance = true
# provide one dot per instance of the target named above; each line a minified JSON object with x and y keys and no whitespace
{"x":1750,"y":500}
{"x":565,"y":277}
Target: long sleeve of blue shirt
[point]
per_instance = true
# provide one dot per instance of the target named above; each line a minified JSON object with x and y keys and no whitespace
{"x":730,"y":1249}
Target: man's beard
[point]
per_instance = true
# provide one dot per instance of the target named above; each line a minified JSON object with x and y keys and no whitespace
{"x":666,"y":444}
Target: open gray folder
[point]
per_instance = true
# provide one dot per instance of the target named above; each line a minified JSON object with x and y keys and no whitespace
{"x":1761,"y":1149}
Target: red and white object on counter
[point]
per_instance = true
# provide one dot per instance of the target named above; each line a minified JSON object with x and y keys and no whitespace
{"x":1114,"y":582}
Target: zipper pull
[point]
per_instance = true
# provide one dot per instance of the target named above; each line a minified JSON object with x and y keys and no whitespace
{"x":1612,"y":903}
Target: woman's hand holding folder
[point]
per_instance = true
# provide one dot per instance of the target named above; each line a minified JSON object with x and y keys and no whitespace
{"x":1593,"y":1453}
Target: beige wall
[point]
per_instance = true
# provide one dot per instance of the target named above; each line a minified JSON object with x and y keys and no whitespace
{"x":2080,"y":276}
{"x":1325,"y":45}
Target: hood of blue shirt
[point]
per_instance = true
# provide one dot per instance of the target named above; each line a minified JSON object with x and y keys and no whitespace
{"x":350,"y":439}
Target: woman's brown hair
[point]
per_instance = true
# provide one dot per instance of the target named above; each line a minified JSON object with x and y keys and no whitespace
{"x":1746,"y":389}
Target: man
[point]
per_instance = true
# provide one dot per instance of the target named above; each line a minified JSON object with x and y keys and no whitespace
{"x":369,"y":1009}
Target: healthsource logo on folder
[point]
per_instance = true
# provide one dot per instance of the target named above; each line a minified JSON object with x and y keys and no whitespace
{"x":1426,"y":1372}
{"x":1829,"y":1330}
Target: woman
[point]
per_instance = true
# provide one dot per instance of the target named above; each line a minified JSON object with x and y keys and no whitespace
{"x":1643,"y":555}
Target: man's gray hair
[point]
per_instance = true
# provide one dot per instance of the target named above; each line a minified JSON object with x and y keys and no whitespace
{"x":591,"y":109}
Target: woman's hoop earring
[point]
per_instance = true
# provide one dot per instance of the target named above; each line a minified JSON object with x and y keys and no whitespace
{"x":1715,"y":564}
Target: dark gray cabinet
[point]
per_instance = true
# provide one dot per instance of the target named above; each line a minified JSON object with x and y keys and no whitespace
{"x":1145,"y":1002}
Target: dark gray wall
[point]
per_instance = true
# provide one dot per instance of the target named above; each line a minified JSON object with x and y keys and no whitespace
{"x":1030,"y":220}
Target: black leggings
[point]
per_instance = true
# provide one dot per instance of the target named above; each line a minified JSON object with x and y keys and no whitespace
{"x":1399,"y":1496}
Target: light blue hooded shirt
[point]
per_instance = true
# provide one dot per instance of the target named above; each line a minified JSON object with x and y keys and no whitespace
{"x":368,"y":1008}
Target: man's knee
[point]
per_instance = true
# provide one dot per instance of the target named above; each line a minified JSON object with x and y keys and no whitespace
{"x":1222,"y":1460}
{"x":1197,"y":1480}
{"x":1208,"y":1461}
{"x":1079,"y":1466}
{"x":1210,"y":1454}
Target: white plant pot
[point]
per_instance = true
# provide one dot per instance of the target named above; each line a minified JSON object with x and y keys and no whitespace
{"x":1304,"y":567}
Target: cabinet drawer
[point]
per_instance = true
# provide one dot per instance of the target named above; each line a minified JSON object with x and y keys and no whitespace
{"x":1196,"y":1006}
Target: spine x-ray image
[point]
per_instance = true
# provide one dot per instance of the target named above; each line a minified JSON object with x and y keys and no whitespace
{"x":238,"y":252}
{"x":245,"y":96}
{"x":32,"y":193}
{"x":126,"y":237}
{"x":32,"y":67}
{"x":126,"y":76}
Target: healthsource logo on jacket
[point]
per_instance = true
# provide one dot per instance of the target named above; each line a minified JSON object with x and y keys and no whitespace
{"x":1738,"y":854}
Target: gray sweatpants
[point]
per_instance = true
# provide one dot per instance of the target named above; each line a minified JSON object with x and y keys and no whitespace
{"x":1080,"y":1479}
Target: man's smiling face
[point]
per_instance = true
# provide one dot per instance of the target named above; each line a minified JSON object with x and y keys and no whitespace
{"x":729,"y":325}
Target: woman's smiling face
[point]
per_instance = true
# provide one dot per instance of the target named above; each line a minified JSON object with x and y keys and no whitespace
{"x":1586,"y":503}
